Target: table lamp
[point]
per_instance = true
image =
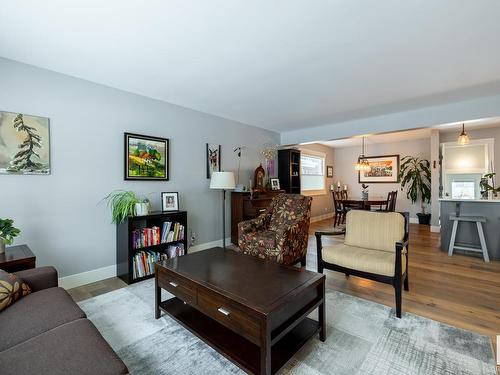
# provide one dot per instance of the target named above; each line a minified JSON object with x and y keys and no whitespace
{"x":223,"y":181}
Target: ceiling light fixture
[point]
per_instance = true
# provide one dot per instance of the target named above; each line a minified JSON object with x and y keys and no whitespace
{"x":362,"y":164}
{"x":463,"y":138}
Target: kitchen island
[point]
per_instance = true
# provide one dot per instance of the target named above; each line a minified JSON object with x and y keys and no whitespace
{"x":467,"y":231}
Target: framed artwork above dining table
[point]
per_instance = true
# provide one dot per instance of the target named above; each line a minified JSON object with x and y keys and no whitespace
{"x":383,"y":169}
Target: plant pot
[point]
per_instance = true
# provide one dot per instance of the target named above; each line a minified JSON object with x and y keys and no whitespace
{"x":141,"y":209}
{"x":424,"y":219}
{"x":2,"y":247}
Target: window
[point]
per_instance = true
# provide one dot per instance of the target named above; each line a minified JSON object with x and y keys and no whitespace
{"x":463,"y":189}
{"x":312,"y":171}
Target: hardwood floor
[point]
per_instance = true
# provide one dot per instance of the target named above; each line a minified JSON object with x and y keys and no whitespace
{"x":461,"y":290}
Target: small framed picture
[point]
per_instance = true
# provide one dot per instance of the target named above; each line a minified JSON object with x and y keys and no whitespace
{"x":275,"y":183}
{"x":329,"y":171}
{"x":170,"y":201}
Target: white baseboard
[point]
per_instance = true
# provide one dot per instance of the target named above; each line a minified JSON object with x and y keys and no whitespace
{"x":79,"y":279}
{"x":321,"y":217}
{"x":413,"y":220}
{"x":87,"y":277}
{"x":436,"y":228}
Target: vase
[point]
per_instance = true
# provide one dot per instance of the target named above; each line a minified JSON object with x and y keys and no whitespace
{"x":2,"y":246}
{"x":141,"y":209}
{"x":364,"y":195}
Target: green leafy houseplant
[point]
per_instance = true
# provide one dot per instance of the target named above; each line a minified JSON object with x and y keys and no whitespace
{"x":415,"y":176}
{"x":7,"y":233}
{"x":123,"y":204}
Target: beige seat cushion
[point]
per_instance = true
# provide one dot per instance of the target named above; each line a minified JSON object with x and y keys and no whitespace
{"x":374,"y":230}
{"x":361,"y":259}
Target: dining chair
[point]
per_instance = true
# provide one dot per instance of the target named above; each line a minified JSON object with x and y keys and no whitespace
{"x":339,"y":210}
{"x":390,"y":204}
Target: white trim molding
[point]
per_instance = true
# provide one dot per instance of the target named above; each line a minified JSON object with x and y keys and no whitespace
{"x":321,"y":217}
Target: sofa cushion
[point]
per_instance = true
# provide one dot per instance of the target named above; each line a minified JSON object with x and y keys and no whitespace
{"x":361,"y":259}
{"x":73,"y":348}
{"x":12,"y":288}
{"x":374,"y":230}
{"x":35,"y":314}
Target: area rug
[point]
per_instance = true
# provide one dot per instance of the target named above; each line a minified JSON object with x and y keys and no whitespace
{"x":363,"y":337}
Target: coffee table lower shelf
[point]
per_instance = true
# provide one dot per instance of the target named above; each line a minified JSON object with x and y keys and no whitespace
{"x":233,"y":346}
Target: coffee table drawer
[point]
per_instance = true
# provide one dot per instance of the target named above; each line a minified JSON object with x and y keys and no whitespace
{"x":178,"y":286}
{"x":227,"y":313}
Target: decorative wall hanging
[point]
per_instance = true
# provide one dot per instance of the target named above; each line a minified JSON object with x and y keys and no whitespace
{"x":146,"y":158}
{"x":382,"y":169}
{"x":213,"y":159}
{"x":24,"y":144}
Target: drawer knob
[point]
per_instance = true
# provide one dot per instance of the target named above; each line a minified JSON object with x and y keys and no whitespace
{"x":173,"y":284}
{"x":223,"y":311}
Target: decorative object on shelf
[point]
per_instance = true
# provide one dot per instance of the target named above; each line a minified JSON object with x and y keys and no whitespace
{"x":329,"y":171}
{"x":275,"y":183}
{"x":270,"y":152}
{"x":259,"y":175}
{"x":415,"y":176}
{"x":362,"y":164}
{"x":223,"y":181}
{"x":170,"y":201}
{"x":239,"y":187}
{"x":7,"y":233}
{"x":463,"y":137}
{"x":383,"y":169}
{"x":486,"y":187}
{"x":146,"y":158}
{"x":364,"y":192}
{"x":24,"y":144}
{"x":126,"y":203}
{"x":213,"y":159}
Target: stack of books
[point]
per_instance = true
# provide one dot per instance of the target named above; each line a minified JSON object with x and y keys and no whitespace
{"x":175,"y":250}
{"x":172,"y":232}
{"x":144,"y":263}
{"x":146,"y":237}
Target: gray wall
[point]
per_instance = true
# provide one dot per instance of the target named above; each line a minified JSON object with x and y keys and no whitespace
{"x":60,"y":215}
{"x":346,"y":157}
{"x":322,"y":204}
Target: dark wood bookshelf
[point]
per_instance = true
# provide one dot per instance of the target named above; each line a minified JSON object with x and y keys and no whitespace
{"x":289,"y":170}
{"x":125,"y":250}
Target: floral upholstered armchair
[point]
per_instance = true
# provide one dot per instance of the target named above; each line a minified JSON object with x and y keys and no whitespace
{"x":281,"y":232}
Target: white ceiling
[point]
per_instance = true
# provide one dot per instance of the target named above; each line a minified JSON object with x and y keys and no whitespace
{"x":281,"y":65}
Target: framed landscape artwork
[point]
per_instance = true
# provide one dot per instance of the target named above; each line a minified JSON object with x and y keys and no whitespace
{"x":24,"y":144}
{"x":146,"y":158}
{"x":213,"y":159}
{"x":383,"y":169}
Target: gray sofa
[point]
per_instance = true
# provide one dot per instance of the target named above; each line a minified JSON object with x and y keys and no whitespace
{"x":47,"y":333}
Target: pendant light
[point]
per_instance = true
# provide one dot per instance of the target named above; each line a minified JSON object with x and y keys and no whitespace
{"x":362,"y":164}
{"x":463,"y":138}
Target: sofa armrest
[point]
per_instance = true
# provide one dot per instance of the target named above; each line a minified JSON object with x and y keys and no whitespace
{"x":39,"y":278}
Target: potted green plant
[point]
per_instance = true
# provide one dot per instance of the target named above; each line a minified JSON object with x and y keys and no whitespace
{"x":7,"y":233}
{"x":415,"y":176}
{"x":124,"y":204}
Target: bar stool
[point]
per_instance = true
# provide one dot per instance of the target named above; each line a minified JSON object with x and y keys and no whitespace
{"x":476,"y":219}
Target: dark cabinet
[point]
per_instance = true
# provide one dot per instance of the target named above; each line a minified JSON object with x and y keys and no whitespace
{"x":289,"y":170}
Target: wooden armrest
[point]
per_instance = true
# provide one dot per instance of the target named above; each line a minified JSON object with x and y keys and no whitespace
{"x":338,"y":232}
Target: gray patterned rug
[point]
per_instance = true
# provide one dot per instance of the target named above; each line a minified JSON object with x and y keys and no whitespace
{"x":363,"y":337}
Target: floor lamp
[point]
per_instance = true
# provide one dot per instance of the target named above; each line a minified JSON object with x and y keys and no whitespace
{"x":223,"y":181}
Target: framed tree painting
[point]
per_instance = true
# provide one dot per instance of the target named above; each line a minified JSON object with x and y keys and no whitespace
{"x":213,"y":159}
{"x":146,"y":158}
{"x":24,"y":144}
{"x":382,"y":169}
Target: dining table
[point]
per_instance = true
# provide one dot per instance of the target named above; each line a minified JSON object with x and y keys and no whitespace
{"x":364,"y":204}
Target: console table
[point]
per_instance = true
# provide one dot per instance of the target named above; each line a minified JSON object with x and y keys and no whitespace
{"x":17,"y":258}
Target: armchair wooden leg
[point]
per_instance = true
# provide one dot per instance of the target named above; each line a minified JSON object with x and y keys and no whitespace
{"x":406,"y":285}
{"x":303,"y":262}
{"x":398,"y":292}
{"x":346,"y":275}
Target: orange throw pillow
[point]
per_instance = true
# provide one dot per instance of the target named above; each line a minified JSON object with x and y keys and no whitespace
{"x":11,"y":289}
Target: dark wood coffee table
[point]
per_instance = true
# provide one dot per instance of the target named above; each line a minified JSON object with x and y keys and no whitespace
{"x":252,"y":311}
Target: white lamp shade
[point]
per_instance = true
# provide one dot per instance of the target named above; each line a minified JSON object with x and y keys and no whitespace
{"x":222,"y":180}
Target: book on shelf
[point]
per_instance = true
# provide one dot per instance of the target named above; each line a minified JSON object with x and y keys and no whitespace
{"x":144,"y":261}
{"x":175,"y":250}
{"x":172,"y":232}
{"x":144,"y":237}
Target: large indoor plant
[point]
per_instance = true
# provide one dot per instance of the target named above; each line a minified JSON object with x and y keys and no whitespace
{"x":7,"y":233}
{"x":124,"y":204}
{"x":415,"y":176}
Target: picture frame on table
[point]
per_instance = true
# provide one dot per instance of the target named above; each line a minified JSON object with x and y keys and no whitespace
{"x":275,"y":184}
{"x":383,"y":169}
{"x":146,"y":157}
{"x":169,"y":201}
